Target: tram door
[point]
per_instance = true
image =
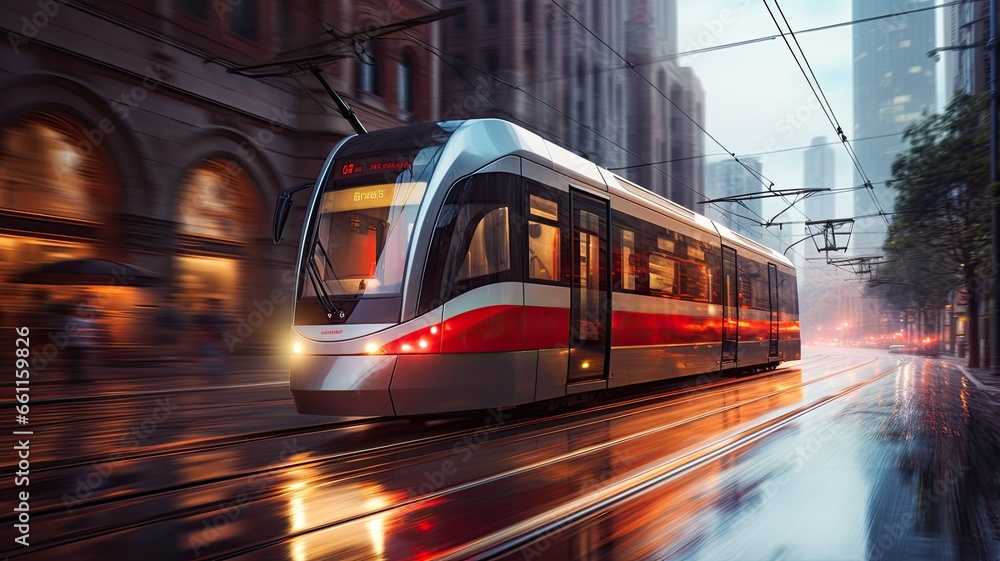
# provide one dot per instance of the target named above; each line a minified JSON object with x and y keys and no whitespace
{"x":730,"y":306}
{"x":590,"y":314}
{"x":772,"y":290}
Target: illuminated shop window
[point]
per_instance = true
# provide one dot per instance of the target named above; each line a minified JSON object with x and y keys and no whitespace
{"x":201,"y":279}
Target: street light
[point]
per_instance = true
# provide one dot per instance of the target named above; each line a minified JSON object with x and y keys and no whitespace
{"x":935,"y":52}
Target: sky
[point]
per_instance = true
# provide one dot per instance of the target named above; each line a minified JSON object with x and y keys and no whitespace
{"x":757,"y":99}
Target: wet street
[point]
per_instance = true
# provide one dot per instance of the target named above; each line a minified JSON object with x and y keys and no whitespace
{"x":848,"y":454}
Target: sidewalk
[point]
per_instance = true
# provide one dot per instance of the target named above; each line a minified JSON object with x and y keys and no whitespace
{"x":985,"y":378}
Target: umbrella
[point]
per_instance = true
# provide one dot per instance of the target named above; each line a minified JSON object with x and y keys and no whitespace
{"x":94,"y":272}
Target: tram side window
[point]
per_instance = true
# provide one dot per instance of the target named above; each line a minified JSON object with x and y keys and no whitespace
{"x":471,"y":244}
{"x":662,"y":275}
{"x":695,"y":280}
{"x":630,"y":250}
{"x":714,"y":259}
{"x":652,"y":260}
{"x":788,"y":296}
{"x":624,"y":256}
{"x":761,"y":294}
{"x":543,"y":239}
{"x":488,"y":252}
{"x":753,"y":284}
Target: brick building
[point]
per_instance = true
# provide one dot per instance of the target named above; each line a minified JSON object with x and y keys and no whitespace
{"x":124,"y":137}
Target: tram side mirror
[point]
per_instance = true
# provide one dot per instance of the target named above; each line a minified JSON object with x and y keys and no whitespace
{"x":282,"y":208}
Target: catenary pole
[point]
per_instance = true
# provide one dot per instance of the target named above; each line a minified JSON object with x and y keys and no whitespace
{"x":994,"y":47}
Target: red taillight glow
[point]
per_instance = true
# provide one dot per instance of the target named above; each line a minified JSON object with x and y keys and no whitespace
{"x":426,"y":340}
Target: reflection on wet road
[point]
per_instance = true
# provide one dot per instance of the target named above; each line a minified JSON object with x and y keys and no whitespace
{"x":901,"y":469}
{"x":859,"y":455}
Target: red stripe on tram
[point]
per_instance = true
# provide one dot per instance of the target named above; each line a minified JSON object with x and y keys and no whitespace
{"x":508,"y":327}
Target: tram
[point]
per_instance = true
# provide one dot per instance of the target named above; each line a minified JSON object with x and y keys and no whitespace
{"x":470,"y":265}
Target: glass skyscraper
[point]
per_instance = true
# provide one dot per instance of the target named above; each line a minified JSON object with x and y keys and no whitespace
{"x":894,"y":87}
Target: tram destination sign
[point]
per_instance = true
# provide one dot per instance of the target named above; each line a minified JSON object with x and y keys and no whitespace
{"x":362,"y":167}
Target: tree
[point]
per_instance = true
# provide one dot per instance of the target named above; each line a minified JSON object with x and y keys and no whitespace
{"x":939,"y":238}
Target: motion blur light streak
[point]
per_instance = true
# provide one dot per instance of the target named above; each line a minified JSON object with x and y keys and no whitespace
{"x":376,"y":524}
{"x":318,"y":507}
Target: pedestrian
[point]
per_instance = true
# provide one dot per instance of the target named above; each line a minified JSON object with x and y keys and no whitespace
{"x":84,"y":335}
{"x":170,"y":327}
{"x":211,"y":329}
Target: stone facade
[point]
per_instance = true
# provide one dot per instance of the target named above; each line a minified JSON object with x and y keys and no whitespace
{"x":125,"y":137}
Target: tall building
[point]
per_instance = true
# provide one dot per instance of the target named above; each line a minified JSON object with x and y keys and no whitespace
{"x":658,"y":130}
{"x":969,"y":59}
{"x":819,"y":172}
{"x":124,"y":136}
{"x":553,"y":59}
{"x":894,"y":87}
{"x":727,"y":178}
{"x":576,"y":91}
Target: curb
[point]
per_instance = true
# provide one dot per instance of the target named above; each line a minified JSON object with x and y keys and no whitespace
{"x":975,"y":380}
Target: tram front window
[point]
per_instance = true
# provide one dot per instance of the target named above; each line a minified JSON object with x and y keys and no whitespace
{"x":362,"y":235}
{"x":359,"y":227}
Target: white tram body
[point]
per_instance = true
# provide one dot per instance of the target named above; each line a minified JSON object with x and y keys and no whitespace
{"x":472,"y":264}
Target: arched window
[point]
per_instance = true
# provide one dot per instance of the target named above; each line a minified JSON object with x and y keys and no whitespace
{"x":216,"y":211}
{"x":368,"y":69}
{"x":58,"y":190}
{"x":215,"y":201}
{"x":50,"y":166}
{"x":404,"y":84}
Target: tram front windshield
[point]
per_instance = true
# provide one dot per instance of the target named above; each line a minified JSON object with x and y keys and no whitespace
{"x":363,"y":226}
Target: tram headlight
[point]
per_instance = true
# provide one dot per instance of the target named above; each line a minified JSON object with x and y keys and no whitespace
{"x":296,"y":347}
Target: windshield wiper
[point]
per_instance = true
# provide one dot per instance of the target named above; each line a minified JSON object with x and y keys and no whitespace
{"x":319,"y":286}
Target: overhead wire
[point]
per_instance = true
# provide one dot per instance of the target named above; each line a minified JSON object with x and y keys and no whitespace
{"x":760,"y":177}
{"x":442,"y":55}
{"x":824,"y":102}
{"x":820,"y":95}
{"x":768,"y":184}
{"x":745,"y":42}
{"x":321,"y":102}
{"x":764,"y":153}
